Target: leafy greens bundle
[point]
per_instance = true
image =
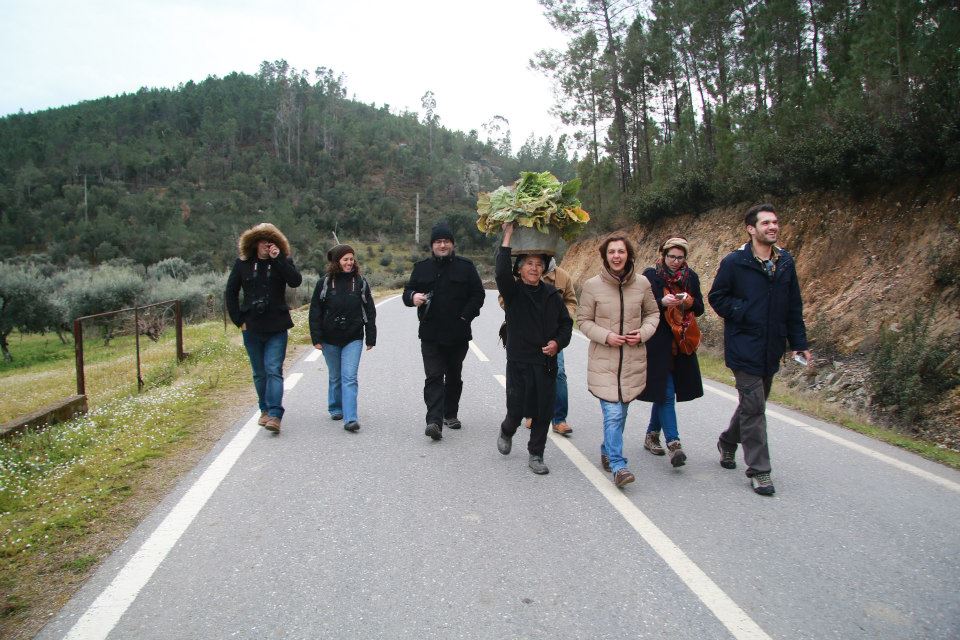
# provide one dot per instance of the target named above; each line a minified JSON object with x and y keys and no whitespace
{"x":536,"y":200}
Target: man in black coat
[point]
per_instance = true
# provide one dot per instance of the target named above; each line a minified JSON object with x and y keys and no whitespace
{"x":757,"y":294}
{"x":263,"y":272}
{"x":448,"y":294}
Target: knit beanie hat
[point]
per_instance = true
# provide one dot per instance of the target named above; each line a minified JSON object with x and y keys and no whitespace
{"x":441,"y":231}
{"x":338,"y":252}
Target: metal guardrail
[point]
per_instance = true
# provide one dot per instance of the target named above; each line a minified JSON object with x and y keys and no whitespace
{"x":78,"y":337}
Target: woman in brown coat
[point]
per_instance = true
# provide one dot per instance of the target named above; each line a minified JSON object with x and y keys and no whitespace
{"x":618,"y":313}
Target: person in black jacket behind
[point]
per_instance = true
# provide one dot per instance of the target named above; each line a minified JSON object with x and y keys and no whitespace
{"x":672,"y":376}
{"x":263,"y":272}
{"x":538,"y":327}
{"x":448,"y":294}
{"x":757,"y":294}
{"x":341,"y":311}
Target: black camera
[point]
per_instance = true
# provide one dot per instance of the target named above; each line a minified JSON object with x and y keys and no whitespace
{"x":259,"y":305}
{"x":340,"y":322}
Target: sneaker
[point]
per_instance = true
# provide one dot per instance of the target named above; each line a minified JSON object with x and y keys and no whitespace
{"x":623,"y":477}
{"x":677,"y":457}
{"x":262,"y":421}
{"x":529,"y":423}
{"x":433,"y":430}
{"x":504,"y":443}
{"x":652,"y":443}
{"x":353,"y":425}
{"x":562,"y":428}
{"x":762,"y":484}
{"x":605,"y":462}
{"x":728,"y":459}
{"x":272,"y":424}
{"x":452,"y":423}
{"x":336,"y":416}
{"x":536,"y":465}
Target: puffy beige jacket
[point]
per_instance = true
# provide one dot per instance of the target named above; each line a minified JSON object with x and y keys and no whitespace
{"x":617,"y":374}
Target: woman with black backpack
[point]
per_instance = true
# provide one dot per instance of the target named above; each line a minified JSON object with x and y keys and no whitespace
{"x":341,"y":312}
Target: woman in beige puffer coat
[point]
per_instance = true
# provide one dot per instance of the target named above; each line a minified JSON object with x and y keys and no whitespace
{"x":618,"y":313}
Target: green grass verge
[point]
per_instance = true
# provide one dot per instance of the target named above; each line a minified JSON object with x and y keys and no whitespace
{"x":61,"y":484}
{"x":711,"y":366}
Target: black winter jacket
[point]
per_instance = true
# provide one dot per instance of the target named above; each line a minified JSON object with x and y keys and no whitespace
{"x":760,"y":314}
{"x":261,"y":280}
{"x":660,"y":358}
{"x":338,"y":319}
{"x":535,"y":315}
{"x":457,"y":297}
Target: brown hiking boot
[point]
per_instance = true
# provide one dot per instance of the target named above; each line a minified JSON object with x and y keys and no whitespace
{"x":562,"y":428}
{"x":652,"y":443}
{"x":273,"y":424}
{"x":677,"y":457}
{"x":623,"y":477}
{"x":263,"y":419}
{"x":605,"y":462}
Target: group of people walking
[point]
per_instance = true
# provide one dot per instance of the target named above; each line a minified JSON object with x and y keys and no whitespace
{"x":636,"y":323}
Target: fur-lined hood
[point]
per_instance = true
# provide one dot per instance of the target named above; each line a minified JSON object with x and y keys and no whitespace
{"x":247,"y":245}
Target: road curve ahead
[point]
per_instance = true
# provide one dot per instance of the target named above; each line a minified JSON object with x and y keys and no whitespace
{"x":321,"y":533}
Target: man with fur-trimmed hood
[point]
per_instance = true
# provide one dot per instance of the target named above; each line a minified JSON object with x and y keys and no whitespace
{"x":263,"y":271}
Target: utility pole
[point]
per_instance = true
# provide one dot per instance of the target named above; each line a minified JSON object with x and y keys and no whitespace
{"x":416,"y":233}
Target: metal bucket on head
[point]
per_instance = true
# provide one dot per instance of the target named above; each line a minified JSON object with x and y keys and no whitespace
{"x":530,"y":240}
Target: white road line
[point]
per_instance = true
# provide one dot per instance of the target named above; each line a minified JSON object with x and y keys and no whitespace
{"x":102,"y":616}
{"x":903,"y":466}
{"x":735,"y":619}
{"x":867,"y":451}
{"x":477,"y":352}
{"x":313,"y":356}
{"x":291,"y":381}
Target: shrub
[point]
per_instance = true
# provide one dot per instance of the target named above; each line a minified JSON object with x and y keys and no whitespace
{"x":386,"y":259}
{"x":910,"y":369}
{"x":176,"y":268}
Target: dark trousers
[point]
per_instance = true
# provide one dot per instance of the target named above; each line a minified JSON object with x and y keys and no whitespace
{"x":531,"y":391}
{"x":442,"y":365}
{"x":748,"y":426}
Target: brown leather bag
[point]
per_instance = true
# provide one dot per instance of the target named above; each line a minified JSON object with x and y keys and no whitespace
{"x":686,"y":333}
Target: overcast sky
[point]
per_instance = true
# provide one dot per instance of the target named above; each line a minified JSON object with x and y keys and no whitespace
{"x":472,"y":55}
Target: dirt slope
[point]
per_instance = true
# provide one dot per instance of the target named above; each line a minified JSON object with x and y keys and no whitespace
{"x":864,"y":263}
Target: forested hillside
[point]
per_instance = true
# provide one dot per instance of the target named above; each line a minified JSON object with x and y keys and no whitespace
{"x":685,"y":105}
{"x":180,"y":172}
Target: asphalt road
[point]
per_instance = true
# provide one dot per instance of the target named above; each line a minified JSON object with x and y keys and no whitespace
{"x":320,"y":533}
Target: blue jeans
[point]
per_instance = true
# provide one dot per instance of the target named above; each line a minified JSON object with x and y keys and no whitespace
{"x":266,"y":352}
{"x":663,"y":415}
{"x":560,"y":404}
{"x":614,"y":419}
{"x":342,"y":387}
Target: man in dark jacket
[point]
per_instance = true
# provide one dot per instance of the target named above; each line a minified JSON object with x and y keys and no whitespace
{"x":448,"y":294}
{"x":757,"y":294}
{"x":263,"y":272}
{"x":538,"y":327}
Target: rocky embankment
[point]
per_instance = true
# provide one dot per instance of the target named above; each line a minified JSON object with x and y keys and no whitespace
{"x":866,"y":264}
